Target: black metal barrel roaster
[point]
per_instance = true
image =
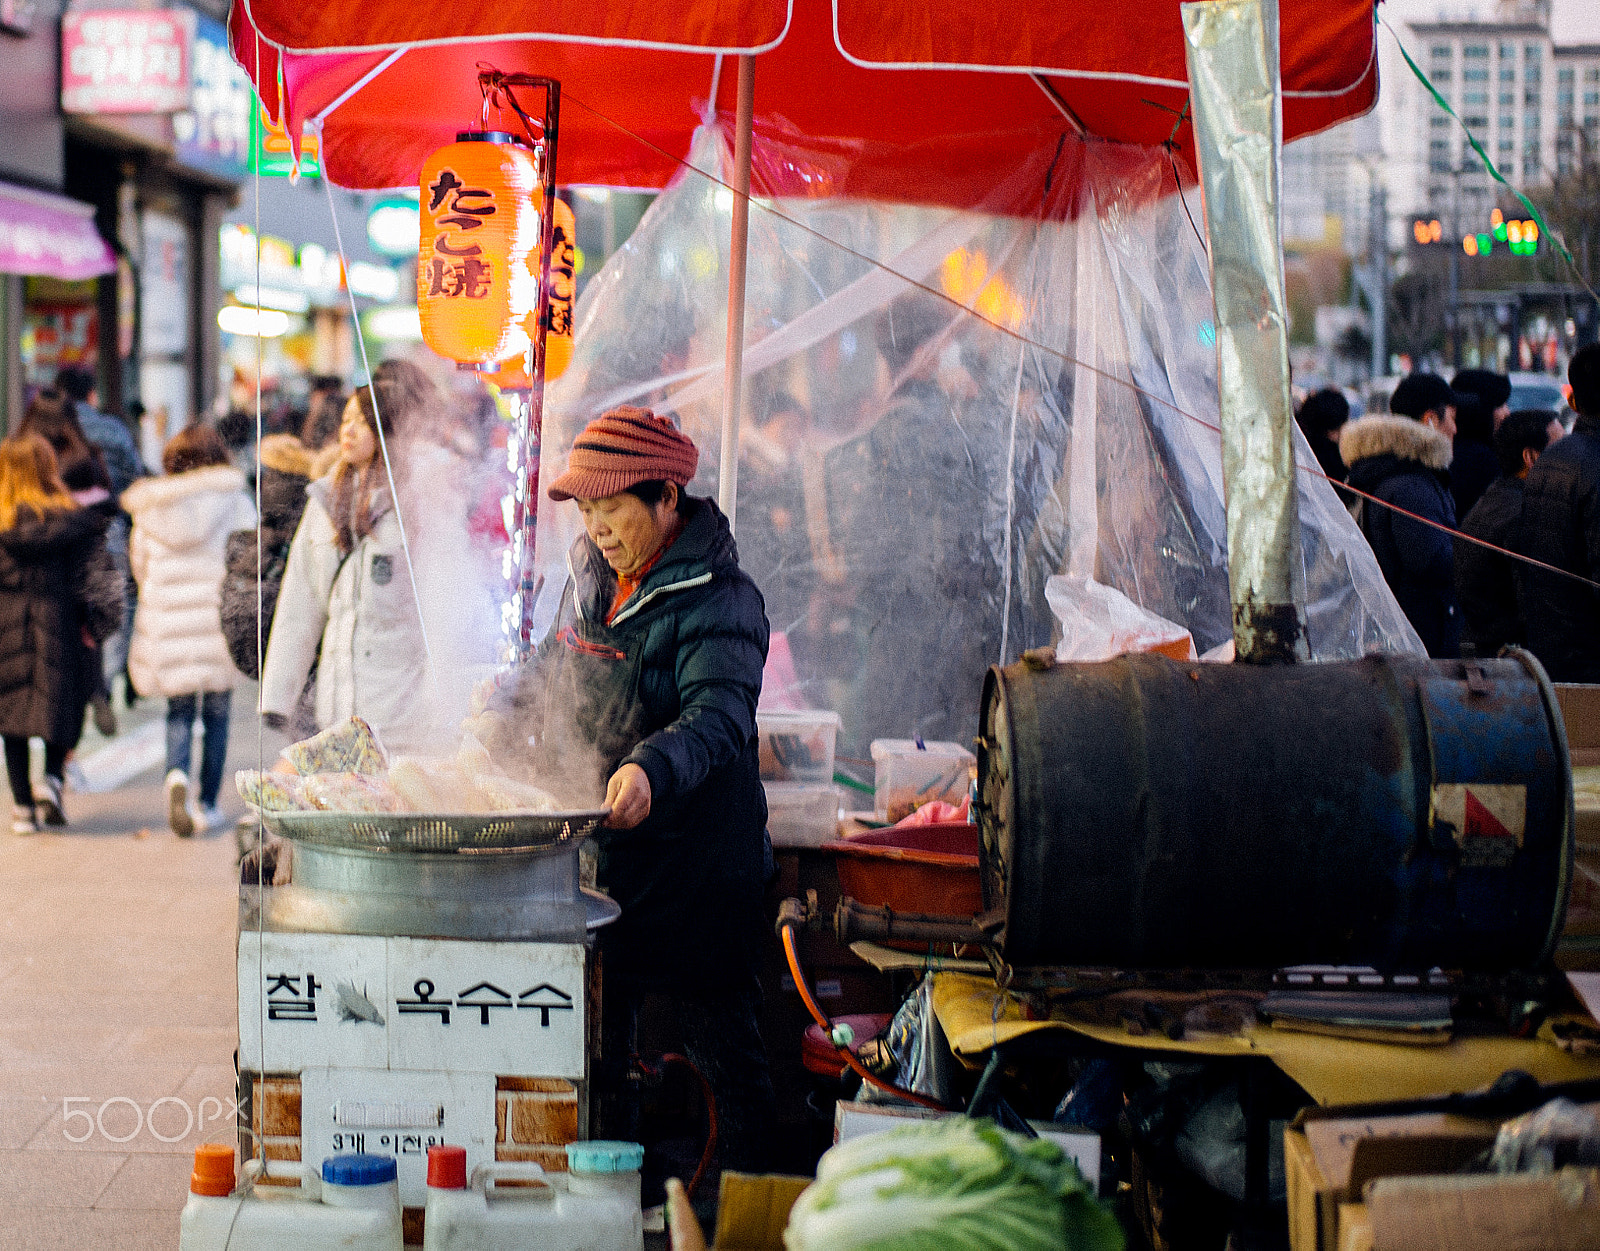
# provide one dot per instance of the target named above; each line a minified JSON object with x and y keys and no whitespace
{"x":1143,"y":813}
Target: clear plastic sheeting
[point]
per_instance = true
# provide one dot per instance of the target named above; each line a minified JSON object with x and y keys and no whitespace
{"x":943,"y":410}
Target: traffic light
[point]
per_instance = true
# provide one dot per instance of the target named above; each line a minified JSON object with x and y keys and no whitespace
{"x":1426,"y":232}
{"x":1520,"y":237}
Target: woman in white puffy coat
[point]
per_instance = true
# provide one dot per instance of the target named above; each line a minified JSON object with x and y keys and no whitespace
{"x":346,"y":601}
{"x":177,"y":551}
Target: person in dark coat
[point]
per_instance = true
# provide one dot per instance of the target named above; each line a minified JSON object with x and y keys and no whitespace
{"x":1484,"y":397}
{"x":1321,"y":418}
{"x":1561,"y":527}
{"x":60,"y":596}
{"x":653,"y":668}
{"x":1404,"y":460}
{"x":1486,"y":581}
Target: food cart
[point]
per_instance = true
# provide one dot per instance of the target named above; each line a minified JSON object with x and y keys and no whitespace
{"x":1071,"y":352}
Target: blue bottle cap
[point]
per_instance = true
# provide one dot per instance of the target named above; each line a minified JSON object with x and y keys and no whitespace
{"x":604,"y":1157}
{"x":358,"y":1170}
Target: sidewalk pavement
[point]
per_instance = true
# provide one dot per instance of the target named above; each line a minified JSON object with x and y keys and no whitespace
{"x":117,"y":969}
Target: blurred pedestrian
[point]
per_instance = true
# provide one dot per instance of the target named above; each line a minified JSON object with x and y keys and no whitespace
{"x":82,"y":465}
{"x":1403,"y":460}
{"x":59,"y":597}
{"x":1321,"y":418}
{"x":321,"y":426}
{"x":113,"y":438}
{"x":249,"y":599}
{"x":181,"y":523}
{"x":1485,"y":396}
{"x":347,"y":603}
{"x":1486,"y":581}
{"x":1561,"y":527}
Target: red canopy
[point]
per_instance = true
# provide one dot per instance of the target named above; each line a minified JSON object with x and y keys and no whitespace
{"x":934,"y":102}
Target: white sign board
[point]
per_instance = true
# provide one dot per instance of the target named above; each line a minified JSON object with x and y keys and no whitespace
{"x":380,"y":1112}
{"x":318,"y":1000}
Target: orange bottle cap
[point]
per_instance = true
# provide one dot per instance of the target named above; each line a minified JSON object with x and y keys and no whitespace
{"x":213,"y":1169}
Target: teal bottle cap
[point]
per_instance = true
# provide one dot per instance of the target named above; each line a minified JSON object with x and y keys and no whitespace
{"x":604,"y":1157}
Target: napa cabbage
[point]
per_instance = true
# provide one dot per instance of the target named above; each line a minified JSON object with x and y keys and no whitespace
{"x":952,"y":1184}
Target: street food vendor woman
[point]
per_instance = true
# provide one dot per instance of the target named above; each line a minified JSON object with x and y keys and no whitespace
{"x":655,"y":659}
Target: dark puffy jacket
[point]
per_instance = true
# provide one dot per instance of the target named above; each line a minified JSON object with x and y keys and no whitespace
{"x":671,"y":685}
{"x":286,"y":469}
{"x":1561,"y":527}
{"x":1404,"y":463}
{"x":1486,"y":582}
{"x":1473,"y":467}
{"x":56,"y":581}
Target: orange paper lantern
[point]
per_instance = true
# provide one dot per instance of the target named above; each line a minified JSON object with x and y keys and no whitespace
{"x":563,"y":292}
{"x":478,"y":260}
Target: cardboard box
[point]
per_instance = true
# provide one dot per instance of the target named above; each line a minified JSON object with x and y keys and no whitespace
{"x":1329,"y":1158}
{"x":1580,"y":709}
{"x":1482,"y":1212}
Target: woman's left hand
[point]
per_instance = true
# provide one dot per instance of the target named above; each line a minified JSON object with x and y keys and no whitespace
{"x":628,"y":797}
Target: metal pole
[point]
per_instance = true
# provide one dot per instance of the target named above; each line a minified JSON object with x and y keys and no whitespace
{"x":733,"y":368}
{"x":1380,"y":279}
{"x":1235,"y":89}
{"x":1455,"y":268}
{"x":533,"y":414}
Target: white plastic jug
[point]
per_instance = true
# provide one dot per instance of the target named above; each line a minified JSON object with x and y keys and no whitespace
{"x":594,"y":1206}
{"x":351,"y":1204}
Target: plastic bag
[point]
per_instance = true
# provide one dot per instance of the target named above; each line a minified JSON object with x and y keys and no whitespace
{"x":1099,"y":622}
{"x":1551,"y":1137}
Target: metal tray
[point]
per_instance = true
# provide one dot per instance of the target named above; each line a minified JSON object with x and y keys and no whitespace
{"x":443,"y":832}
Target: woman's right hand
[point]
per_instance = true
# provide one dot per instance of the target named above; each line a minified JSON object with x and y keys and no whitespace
{"x":628,"y":797}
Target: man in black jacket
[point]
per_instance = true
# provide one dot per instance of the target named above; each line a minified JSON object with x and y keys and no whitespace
{"x":1403,"y":461}
{"x":1486,"y":581}
{"x":1561,"y":527}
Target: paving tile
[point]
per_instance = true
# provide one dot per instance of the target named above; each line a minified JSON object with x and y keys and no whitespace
{"x":55,"y":1179}
{"x":20,"y":1119}
{"x":39,"y":1229}
{"x":150,"y":1182}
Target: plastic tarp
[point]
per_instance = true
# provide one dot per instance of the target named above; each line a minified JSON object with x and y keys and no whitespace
{"x":911,"y":474}
{"x":927,"y":80}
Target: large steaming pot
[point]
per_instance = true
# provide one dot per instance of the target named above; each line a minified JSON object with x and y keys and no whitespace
{"x":437,"y":877}
{"x":1399,"y":812}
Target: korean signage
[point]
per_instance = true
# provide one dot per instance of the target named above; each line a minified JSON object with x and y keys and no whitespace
{"x":214,"y":132}
{"x":271,"y":154}
{"x":409,"y":1003}
{"x":126,"y":61}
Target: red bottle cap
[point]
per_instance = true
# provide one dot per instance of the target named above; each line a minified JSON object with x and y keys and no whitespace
{"x":447,"y":1168}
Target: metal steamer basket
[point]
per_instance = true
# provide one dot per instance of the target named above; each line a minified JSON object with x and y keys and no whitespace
{"x":442,"y":875}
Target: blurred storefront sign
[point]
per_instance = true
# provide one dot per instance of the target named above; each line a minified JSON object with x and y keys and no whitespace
{"x":115,"y":61}
{"x":164,"y":287}
{"x":213,"y":134}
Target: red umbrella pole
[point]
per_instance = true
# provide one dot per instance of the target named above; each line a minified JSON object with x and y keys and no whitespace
{"x":733,"y":369}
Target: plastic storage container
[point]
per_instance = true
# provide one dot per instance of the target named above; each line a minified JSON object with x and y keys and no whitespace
{"x":353,"y":1204}
{"x":907,"y":776}
{"x":797,"y":746}
{"x":801,"y":814}
{"x":593,"y":1207}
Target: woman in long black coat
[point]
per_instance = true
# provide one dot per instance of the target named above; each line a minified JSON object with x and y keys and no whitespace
{"x":60,"y":596}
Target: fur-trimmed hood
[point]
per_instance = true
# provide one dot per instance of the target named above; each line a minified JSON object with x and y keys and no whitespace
{"x":185,"y":509}
{"x":287,"y":454}
{"x":1400,"y":437}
